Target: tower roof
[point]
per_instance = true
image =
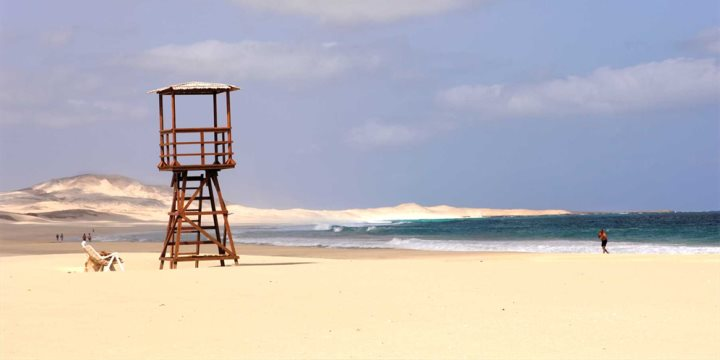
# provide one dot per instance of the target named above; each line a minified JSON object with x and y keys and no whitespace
{"x":195,"y":87}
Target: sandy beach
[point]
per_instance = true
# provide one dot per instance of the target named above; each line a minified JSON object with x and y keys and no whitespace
{"x":289,"y":303}
{"x":331,"y":180}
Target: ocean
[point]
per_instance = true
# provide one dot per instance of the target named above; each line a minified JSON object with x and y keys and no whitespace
{"x":667,"y":232}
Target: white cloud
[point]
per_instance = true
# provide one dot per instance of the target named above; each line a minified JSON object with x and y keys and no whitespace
{"x":657,"y":85}
{"x":359,"y":11}
{"x":252,"y":60}
{"x":377,"y":134}
{"x":707,"y":40}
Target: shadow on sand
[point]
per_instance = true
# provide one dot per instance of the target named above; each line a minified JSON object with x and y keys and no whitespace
{"x":279,"y":263}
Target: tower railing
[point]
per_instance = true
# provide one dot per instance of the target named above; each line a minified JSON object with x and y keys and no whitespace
{"x":201,"y":147}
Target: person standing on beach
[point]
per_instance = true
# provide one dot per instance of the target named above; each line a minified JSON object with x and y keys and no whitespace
{"x":89,"y":237}
{"x":602,"y":235}
{"x":61,"y":237}
{"x":57,"y":237}
{"x":84,"y":237}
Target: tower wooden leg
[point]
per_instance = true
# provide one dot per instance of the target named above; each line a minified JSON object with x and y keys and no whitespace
{"x":186,"y":216}
{"x":211,"y":180}
{"x":172,"y":222}
{"x":227,"y":233}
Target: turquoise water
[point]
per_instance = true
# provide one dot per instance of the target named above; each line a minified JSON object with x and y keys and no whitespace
{"x":677,"y":233}
{"x":697,"y":232}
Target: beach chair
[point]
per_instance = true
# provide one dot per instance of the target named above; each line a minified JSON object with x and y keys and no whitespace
{"x":106,"y":262}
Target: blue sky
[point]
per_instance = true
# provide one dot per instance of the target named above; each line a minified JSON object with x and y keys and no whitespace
{"x":580,"y":105}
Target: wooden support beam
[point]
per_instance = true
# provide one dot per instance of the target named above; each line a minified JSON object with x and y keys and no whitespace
{"x":210,"y":237}
{"x":203,"y":181}
{"x":229,"y":160}
{"x":195,"y":194}
{"x":174,"y":132}
{"x":228,"y":231}
{"x":162,"y":163}
{"x":215,"y":124}
{"x":201,"y":257}
{"x":211,"y":175}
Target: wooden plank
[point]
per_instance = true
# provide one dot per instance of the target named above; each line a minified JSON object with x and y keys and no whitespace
{"x":195,"y":194}
{"x":202,"y":148}
{"x":196,"y":167}
{"x":180,"y":205}
{"x":228,"y":231}
{"x":195,"y":178}
{"x":198,"y":129}
{"x":215,"y":124}
{"x":212,"y":175}
{"x":214,"y":241}
{"x":222,"y":249}
{"x":194,"y":142}
{"x":162,"y":125}
{"x":167,"y":149}
{"x":229,"y":133}
{"x":174,"y":133}
{"x":172,"y":221}
{"x":218,"y":243}
{"x":199,"y":154}
{"x":199,"y":222}
{"x":201,"y":257}
{"x":203,"y":212}
{"x":192,"y":230}
{"x":202,"y":242}
{"x":162,"y":122}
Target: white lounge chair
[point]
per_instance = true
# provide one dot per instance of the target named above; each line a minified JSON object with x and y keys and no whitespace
{"x":107,"y":262}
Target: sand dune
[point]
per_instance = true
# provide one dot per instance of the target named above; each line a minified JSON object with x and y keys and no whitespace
{"x":104,"y":196}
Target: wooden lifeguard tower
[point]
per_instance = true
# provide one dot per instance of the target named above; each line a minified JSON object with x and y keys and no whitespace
{"x":198,"y":215}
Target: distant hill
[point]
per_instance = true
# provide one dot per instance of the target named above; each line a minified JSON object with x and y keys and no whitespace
{"x":91,"y":185}
{"x":115,"y":198}
{"x":89,"y":197}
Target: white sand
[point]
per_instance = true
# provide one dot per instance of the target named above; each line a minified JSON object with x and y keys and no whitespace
{"x":516,"y":306}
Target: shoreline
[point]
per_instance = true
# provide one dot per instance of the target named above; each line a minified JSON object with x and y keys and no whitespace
{"x":27,"y":239}
{"x":20,"y":248}
{"x":24,"y":239}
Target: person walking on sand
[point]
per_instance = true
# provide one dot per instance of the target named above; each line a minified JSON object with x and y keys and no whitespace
{"x":602,"y":235}
{"x":57,"y":237}
{"x":61,"y":237}
{"x":84,"y":237}
{"x":89,"y":237}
